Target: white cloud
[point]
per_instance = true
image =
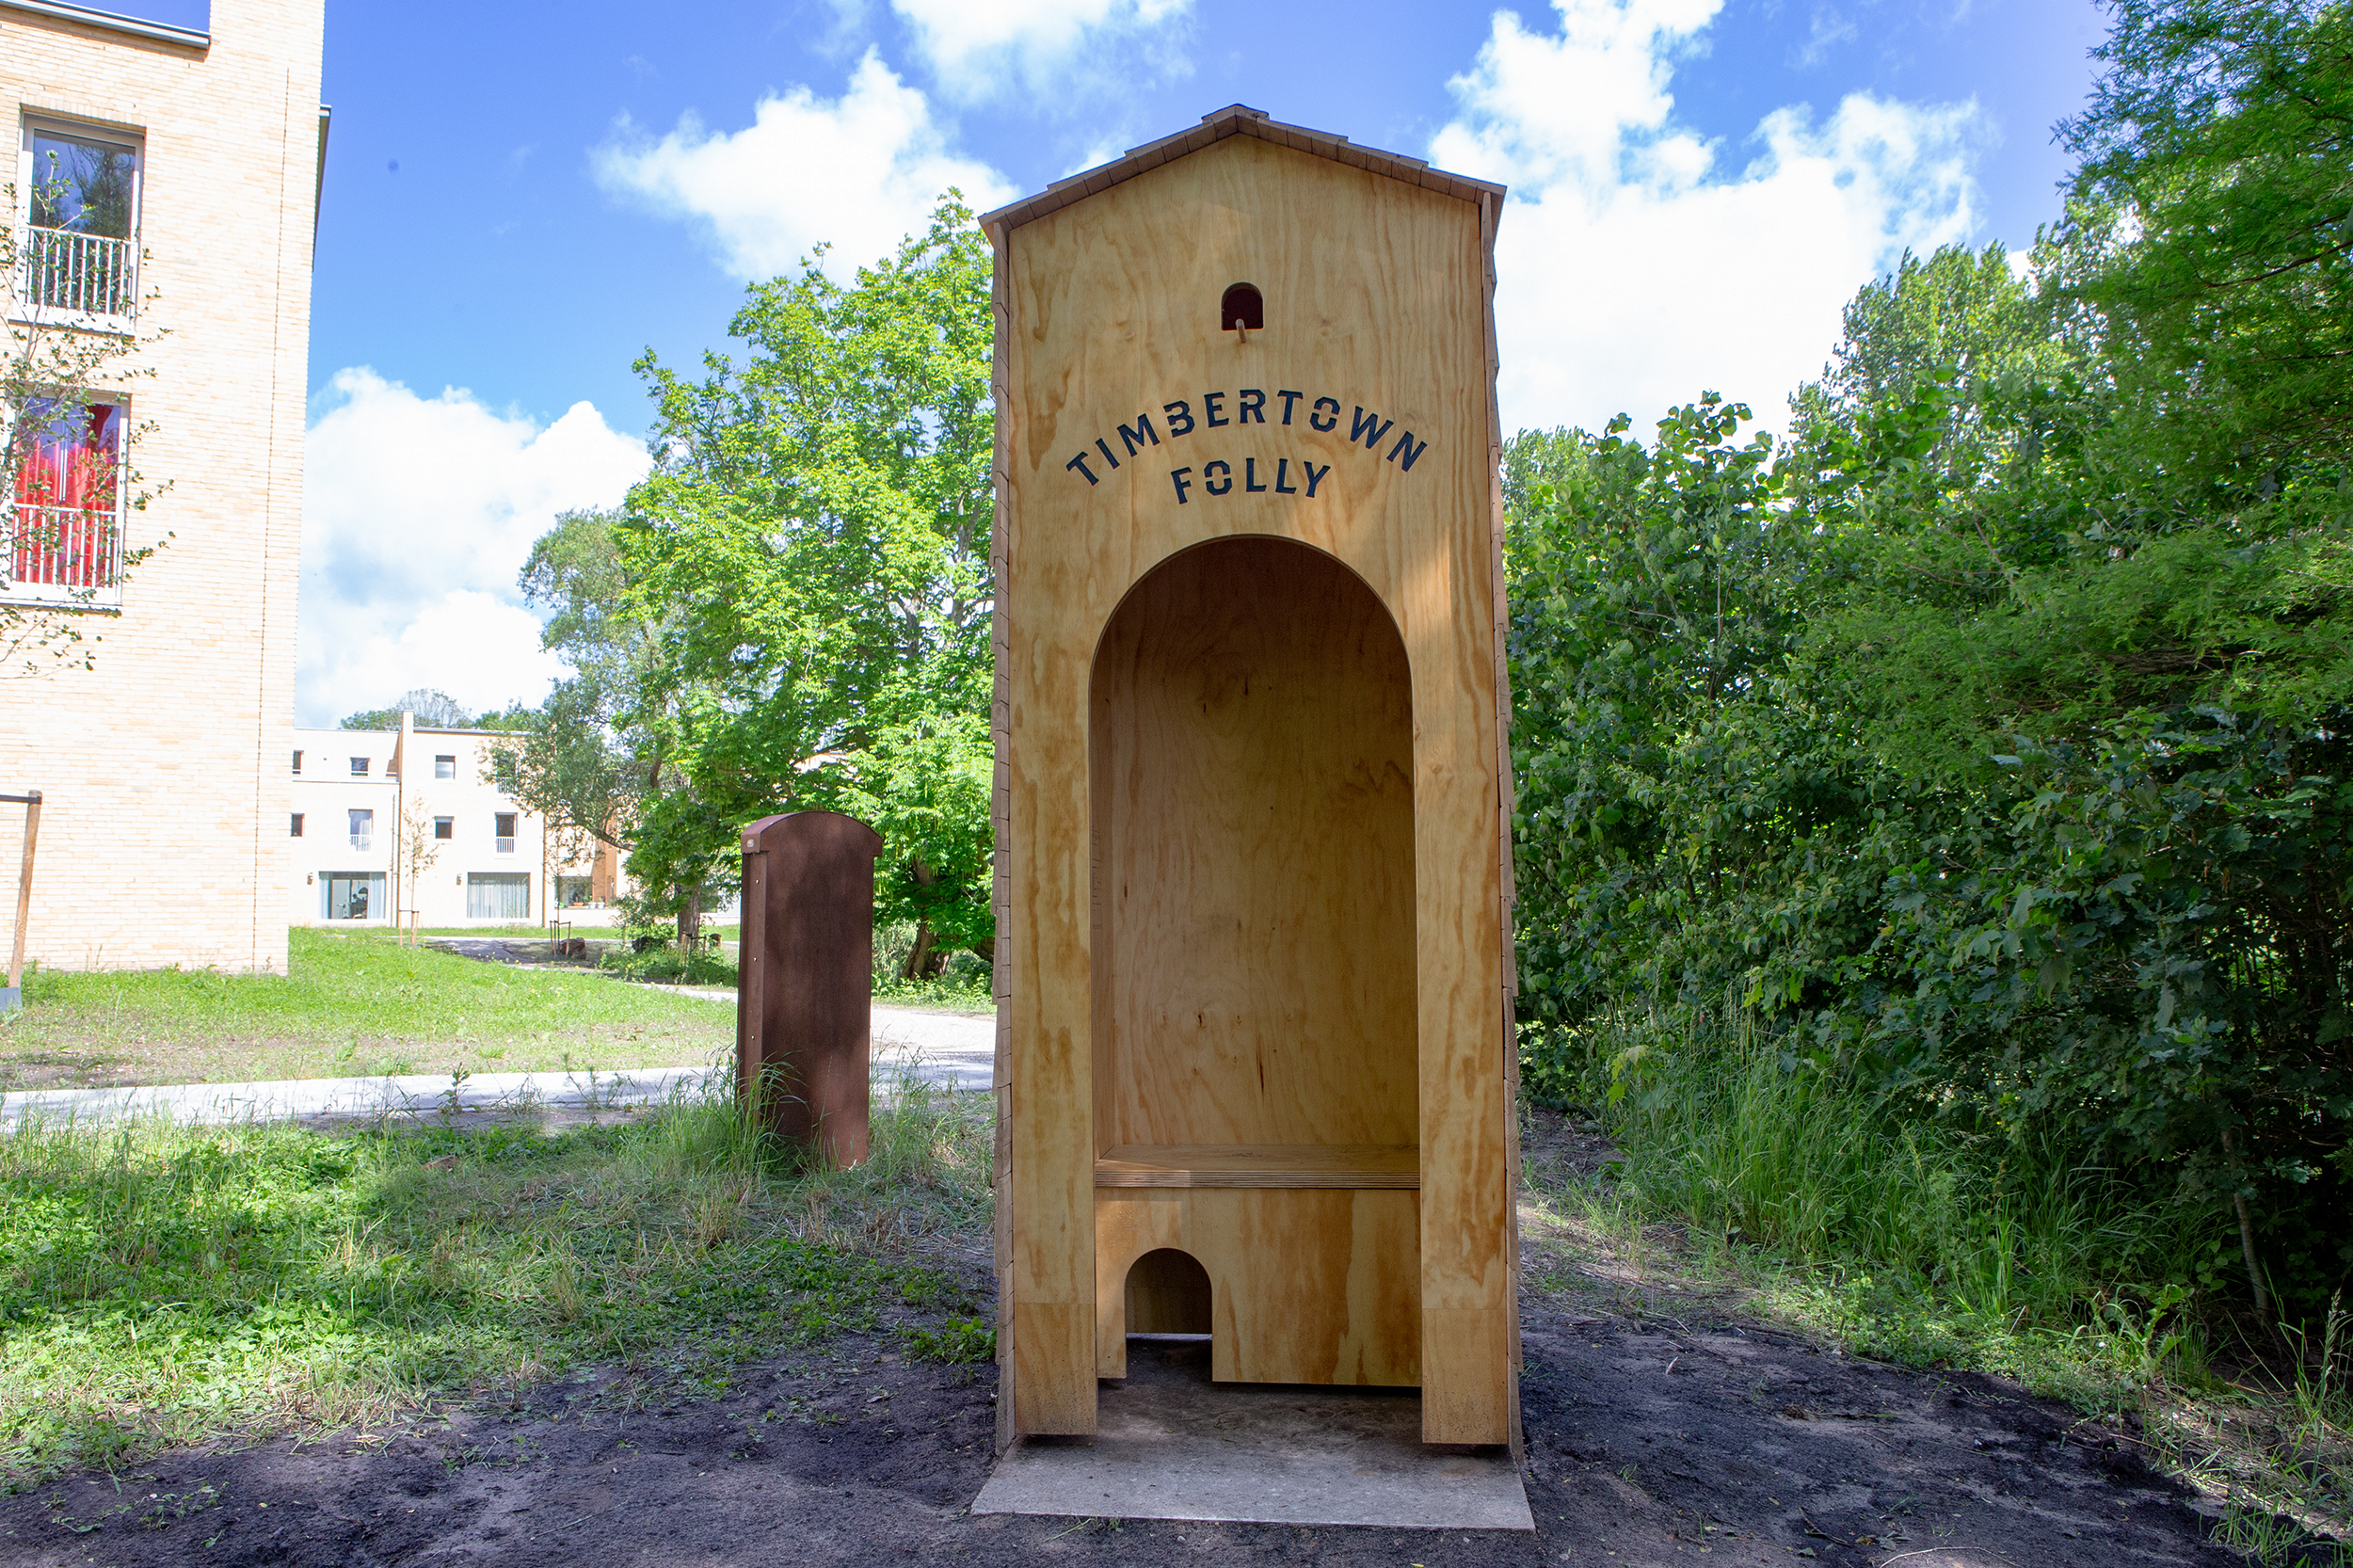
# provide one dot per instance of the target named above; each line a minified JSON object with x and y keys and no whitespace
{"x":862,"y":170}
{"x":980,"y":48}
{"x":1101,"y":151}
{"x":1633,"y":271}
{"x":418,"y":512}
{"x":1826,"y":31}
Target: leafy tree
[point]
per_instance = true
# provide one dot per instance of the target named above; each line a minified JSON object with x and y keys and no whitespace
{"x":575,"y":763}
{"x":432,"y":709}
{"x":2214,"y":231}
{"x":1956,"y":308}
{"x":924,"y":787}
{"x":792,"y":610}
{"x":415,"y":852}
{"x":1965,"y":752}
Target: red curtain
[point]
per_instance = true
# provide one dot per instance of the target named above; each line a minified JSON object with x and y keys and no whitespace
{"x":65,"y":501}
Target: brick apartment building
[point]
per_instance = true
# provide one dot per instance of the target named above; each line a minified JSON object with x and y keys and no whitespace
{"x":163,"y":832}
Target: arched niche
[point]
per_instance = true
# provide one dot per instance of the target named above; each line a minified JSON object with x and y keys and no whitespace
{"x":1250,"y":762}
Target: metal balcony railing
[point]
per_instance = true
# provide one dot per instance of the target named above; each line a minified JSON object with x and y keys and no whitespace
{"x":68,"y":554}
{"x":85,"y":274}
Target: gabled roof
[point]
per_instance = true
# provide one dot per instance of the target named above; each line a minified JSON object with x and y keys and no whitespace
{"x":1237,"y":119}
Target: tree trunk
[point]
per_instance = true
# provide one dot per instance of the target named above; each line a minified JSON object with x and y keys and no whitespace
{"x":2246,"y":1233}
{"x":690,"y":917}
{"x":918,"y":964}
{"x":924,"y":959}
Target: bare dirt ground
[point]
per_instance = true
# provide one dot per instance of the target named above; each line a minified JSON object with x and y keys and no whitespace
{"x":1657,"y":1432}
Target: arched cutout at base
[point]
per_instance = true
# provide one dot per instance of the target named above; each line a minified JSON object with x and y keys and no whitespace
{"x":1168,"y":1292}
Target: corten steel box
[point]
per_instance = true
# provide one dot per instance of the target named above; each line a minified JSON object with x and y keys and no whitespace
{"x":1254,"y":1070}
{"x":804,"y":997}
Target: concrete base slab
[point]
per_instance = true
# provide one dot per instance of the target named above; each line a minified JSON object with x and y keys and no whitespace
{"x":1171,"y":1444}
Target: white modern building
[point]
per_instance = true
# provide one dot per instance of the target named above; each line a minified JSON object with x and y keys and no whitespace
{"x":409,"y":825}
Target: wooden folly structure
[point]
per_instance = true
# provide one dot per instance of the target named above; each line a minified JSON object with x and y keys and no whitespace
{"x":1254,"y":1070}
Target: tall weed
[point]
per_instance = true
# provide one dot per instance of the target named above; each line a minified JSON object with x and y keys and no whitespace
{"x":162,"y":1284}
{"x":1743,"y":1142}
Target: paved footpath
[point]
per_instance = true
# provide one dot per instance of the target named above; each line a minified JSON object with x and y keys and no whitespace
{"x":952,"y":1051}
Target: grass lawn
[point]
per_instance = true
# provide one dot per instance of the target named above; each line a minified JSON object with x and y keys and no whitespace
{"x":164,"y":1285}
{"x":352,"y":1005}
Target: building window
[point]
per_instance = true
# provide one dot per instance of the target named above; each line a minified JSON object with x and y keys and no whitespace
{"x":358,"y":767}
{"x":298,"y":759}
{"x":503,"y":824}
{"x":498,"y":896}
{"x":575,"y":892}
{"x":64,"y":534}
{"x":445,"y":828}
{"x":352,"y":896}
{"x":445,"y":767}
{"x":294,"y":825}
{"x":78,"y":204}
{"x":363,"y":829}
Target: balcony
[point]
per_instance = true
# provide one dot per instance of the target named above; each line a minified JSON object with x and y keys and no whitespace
{"x":93,"y":277}
{"x":61,"y":555}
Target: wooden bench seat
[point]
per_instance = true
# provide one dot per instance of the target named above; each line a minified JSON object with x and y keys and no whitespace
{"x":1344,"y":1165}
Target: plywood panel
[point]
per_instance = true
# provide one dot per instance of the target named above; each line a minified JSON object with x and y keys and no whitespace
{"x":1168,"y":1292}
{"x":1372,"y":1165}
{"x":1376,"y":296}
{"x":1128,"y":1225}
{"x":1306,"y":1287}
{"x":1324,"y":1286}
{"x":1252,"y":749}
{"x":1000,"y":888}
{"x":1049,"y":1337}
{"x":1467,"y":1350}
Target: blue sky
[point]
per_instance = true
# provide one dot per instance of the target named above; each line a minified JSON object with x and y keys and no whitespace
{"x":520,"y":200}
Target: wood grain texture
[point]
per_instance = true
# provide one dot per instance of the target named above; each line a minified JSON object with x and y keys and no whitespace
{"x":1001,"y":874}
{"x":1376,"y":296}
{"x":1372,"y":1165}
{"x":1490,"y":209}
{"x":1252,"y":832}
{"x":1306,"y":1286}
{"x":1168,"y":1292}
